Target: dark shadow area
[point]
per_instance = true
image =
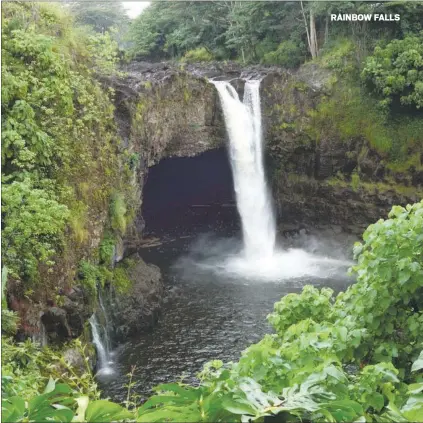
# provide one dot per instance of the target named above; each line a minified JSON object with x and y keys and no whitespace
{"x":190,"y":193}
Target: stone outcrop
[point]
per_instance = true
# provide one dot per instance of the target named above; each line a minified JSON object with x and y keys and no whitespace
{"x":137,"y":309}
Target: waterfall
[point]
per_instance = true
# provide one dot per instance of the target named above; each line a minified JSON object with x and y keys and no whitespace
{"x":103,"y":353}
{"x":106,"y":323}
{"x":243,"y":124}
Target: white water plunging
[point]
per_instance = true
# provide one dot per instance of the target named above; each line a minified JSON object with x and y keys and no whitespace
{"x":243,"y":123}
{"x":102,"y":350}
{"x":260,"y":258}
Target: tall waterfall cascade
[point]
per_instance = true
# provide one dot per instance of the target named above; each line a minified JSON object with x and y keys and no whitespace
{"x":254,"y":203}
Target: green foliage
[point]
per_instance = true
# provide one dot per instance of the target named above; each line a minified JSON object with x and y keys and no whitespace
{"x":38,"y":384}
{"x":91,"y":276}
{"x":9,"y":319}
{"x":118,"y":213}
{"x":288,"y":54}
{"x":26,"y":368}
{"x":171,"y":29}
{"x":395,"y":72}
{"x":105,"y":51}
{"x":351,"y":113}
{"x":252,"y":31}
{"x":53,"y":110}
{"x":59,"y":402}
{"x":121,"y":280}
{"x":52,"y":404}
{"x":339,"y":55}
{"x":293,"y":308}
{"x":78,"y":222}
{"x":228,"y":32}
{"x":33,"y":227}
{"x":200,"y":54}
{"x":107,"y":251}
{"x":385,"y":300}
{"x":100,"y":16}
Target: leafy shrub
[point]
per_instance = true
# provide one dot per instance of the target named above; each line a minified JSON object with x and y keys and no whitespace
{"x":38,"y":384}
{"x":118,"y":213}
{"x":26,"y":368}
{"x":58,"y":402}
{"x":288,"y":54}
{"x":91,"y":276}
{"x":293,"y":308}
{"x":385,"y":300}
{"x":200,"y":54}
{"x":339,"y":56}
{"x":104,"y":49}
{"x":34,"y":222}
{"x":395,"y":72}
{"x":107,"y":251}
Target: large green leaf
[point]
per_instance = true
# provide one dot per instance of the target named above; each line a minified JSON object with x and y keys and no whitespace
{"x":13,"y":409}
{"x":106,"y":411}
{"x":418,"y":364}
{"x":172,"y":414}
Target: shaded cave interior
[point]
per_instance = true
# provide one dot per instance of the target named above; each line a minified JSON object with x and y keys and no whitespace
{"x":187,"y":194}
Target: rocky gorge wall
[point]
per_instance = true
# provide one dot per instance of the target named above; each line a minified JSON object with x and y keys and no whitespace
{"x":327,"y":166}
{"x":322,"y":172}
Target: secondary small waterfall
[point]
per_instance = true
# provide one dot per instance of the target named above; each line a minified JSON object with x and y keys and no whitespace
{"x":101,"y":349}
{"x":243,"y":124}
{"x":101,"y":341}
{"x":106,"y":326}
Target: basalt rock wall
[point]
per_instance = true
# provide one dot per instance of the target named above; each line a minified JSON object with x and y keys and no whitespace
{"x":318,"y":175}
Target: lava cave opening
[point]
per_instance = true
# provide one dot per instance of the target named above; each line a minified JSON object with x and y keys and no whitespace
{"x":190,"y":193}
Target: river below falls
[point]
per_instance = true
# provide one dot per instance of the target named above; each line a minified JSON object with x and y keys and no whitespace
{"x":206,"y":314}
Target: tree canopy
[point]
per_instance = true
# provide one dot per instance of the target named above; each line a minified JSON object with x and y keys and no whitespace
{"x":249,"y":30}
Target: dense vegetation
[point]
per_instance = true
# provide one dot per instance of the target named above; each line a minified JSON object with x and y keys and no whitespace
{"x":354,"y":357}
{"x":54,"y":110}
{"x":273,"y":32}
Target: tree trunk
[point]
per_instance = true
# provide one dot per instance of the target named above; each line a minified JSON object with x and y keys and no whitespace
{"x":306,"y":27}
{"x":313,"y":36}
{"x":327,"y":29}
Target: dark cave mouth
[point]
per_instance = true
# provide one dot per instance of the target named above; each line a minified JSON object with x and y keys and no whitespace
{"x":187,"y":194}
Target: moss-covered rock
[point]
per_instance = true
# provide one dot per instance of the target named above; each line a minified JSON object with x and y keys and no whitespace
{"x":136,"y":308}
{"x":336,"y":159}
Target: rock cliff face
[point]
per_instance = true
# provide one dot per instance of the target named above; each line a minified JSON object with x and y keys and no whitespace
{"x":138,"y":308}
{"x":318,"y":177}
